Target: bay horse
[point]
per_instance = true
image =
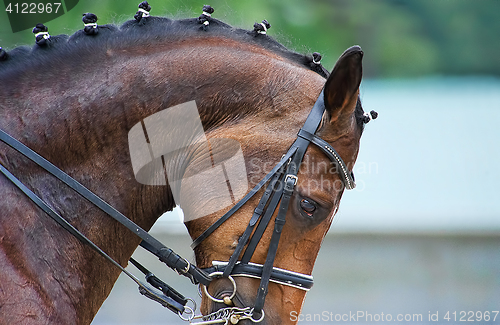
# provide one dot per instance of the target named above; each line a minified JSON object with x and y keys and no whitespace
{"x":74,"y":99}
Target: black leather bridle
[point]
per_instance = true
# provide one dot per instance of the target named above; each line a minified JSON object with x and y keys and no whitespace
{"x":281,"y":183}
{"x":282,"y":180}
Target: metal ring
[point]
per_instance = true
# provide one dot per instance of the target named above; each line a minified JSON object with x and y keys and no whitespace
{"x":191,"y":313}
{"x":260,"y":319}
{"x":199,"y":291}
{"x":205,"y":290}
{"x":194,"y":306}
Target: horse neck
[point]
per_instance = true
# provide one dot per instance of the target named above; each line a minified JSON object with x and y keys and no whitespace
{"x":80,"y":124}
{"x":78,"y":116}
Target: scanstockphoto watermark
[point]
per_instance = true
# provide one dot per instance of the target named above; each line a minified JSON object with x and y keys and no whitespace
{"x":205,"y":175}
{"x":355,"y":317}
{"x":319,"y":170}
{"x":216,"y":179}
{"x":481,"y":316}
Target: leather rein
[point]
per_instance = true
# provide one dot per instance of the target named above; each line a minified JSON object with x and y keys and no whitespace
{"x":281,"y":182}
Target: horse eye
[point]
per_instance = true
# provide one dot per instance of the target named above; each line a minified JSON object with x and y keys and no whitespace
{"x":308,"y":206}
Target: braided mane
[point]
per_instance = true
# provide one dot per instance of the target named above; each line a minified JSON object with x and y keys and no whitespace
{"x":91,"y":43}
{"x":145,"y":31}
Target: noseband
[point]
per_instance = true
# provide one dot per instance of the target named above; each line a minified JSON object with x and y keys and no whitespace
{"x":281,"y":183}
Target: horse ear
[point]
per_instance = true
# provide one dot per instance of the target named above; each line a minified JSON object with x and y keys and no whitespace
{"x":342,"y":87}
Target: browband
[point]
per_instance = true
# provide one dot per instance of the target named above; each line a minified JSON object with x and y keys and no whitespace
{"x":331,"y":153}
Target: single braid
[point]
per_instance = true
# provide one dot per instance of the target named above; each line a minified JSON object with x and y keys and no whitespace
{"x":316,"y":58}
{"x":205,"y":17}
{"x":144,"y":9}
{"x":41,"y":34}
{"x":316,"y":66}
{"x":261,"y":28}
{"x":3,"y":54}
{"x":90,"y":21}
{"x":367,"y":117}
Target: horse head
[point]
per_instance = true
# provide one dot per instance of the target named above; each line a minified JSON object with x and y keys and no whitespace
{"x":99,"y":103}
{"x":265,"y":137}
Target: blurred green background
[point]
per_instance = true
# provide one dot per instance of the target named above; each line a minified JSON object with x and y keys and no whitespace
{"x":403,"y":38}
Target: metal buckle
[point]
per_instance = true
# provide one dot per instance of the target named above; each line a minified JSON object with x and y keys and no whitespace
{"x":295,"y":178}
{"x":186,"y":269}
